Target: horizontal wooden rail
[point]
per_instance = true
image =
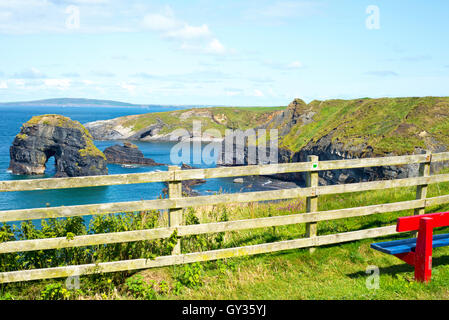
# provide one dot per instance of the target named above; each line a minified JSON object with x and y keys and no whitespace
{"x":220,"y":172}
{"x":134,"y":206}
{"x":187,"y":230}
{"x":176,"y":202}
{"x":59,"y":272}
{"x":83,"y":182}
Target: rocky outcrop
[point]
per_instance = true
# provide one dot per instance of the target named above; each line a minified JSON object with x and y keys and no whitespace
{"x":56,"y":136}
{"x":187,"y":184}
{"x":286,"y":119}
{"x":128,"y":153}
{"x":187,"y":125}
{"x":360,"y":128}
{"x":328,"y":148}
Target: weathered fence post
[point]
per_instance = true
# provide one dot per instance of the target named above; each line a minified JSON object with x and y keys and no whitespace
{"x":312,"y":201}
{"x":421,"y":190}
{"x":175,"y":215}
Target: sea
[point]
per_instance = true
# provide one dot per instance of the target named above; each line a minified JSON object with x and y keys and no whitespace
{"x":12,"y":118}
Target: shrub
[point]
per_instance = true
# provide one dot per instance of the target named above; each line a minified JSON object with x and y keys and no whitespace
{"x":139,"y":289}
{"x":191,"y":275}
{"x":55,"y":291}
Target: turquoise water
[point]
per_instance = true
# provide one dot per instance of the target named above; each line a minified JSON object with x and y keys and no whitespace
{"x":12,"y":119}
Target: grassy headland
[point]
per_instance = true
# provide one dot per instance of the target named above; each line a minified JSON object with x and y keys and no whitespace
{"x":359,"y":126}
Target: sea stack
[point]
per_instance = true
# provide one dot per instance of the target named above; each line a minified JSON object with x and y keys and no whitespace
{"x":66,"y":140}
{"x":128,"y":154}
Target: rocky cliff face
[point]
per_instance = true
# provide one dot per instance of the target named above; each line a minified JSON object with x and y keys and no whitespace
{"x":115,"y":130}
{"x":128,"y":154}
{"x":210,"y":123}
{"x":347,"y":129}
{"x":331,"y":129}
{"x":54,"y":135}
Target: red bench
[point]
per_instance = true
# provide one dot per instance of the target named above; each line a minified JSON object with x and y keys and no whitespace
{"x":418,"y":251}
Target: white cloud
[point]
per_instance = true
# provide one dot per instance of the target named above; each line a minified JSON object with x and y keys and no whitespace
{"x":188,"y":32}
{"x":18,"y":82}
{"x":258,"y":93}
{"x":87,"y":82}
{"x":289,"y":9}
{"x":161,"y":21}
{"x":295,"y":65}
{"x":31,"y":73}
{"x":283,"y":66}
{"x":58,"y":83}
{"x":193,"y":38}
{"x":131,"y":88}
{"x":3,"y":85}
{"x":100,"y":16}
{"x":13,"y":4}
{"x":90,"y":1}
{"x":215,"y":46}
{"x":103,"y":74}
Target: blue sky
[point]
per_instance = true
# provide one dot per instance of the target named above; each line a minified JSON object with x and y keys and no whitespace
{"x":243,"y":53}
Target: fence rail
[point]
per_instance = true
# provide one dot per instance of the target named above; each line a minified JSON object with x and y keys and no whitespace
{"x":175,"y":203}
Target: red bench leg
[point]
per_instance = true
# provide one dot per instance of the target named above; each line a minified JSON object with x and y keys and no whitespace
{"x":423,"y":257}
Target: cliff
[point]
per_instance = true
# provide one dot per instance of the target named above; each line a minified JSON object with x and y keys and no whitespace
{"x":345,"y":129}
{"x":161,"y":126}
{"x":54,"y":135}
{"x":332,"y":129}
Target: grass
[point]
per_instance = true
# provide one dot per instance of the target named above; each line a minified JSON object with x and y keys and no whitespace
{"x":336,"y":271}
{"x":397,"y":125}
{"x":331,"y":272}
{"x":218,"y":118}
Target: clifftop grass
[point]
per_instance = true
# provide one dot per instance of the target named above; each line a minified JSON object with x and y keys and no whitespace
{"x":387,"y":125}
{"x":380,"y":126}
{"x":219,"y":118}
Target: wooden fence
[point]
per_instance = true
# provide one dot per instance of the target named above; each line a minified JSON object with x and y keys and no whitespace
{"x":176,"y":202}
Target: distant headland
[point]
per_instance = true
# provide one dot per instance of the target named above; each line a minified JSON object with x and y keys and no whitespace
{"x":83,"y":102}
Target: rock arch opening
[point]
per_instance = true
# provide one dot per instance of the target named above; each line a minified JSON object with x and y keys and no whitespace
{"x":55,"y":139}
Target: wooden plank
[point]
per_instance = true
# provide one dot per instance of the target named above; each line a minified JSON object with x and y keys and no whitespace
{"x":82,"y":182}
{"x":58,"y":272}
{"x":269,"y":169}
{"x":409,"y":245}
{"x":437,"y":200}
{"x":312,"y":201}
{"x":236,"y":225}
{"x":175,"y":215}
{"x":79,"y":182}
{"x":421,"y":190}
{"x":135,"y":206}
{"x":441,"y":156}
{"x":382,"y":184}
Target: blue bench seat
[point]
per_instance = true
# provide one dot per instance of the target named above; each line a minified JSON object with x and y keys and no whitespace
{"x":408,"y":245}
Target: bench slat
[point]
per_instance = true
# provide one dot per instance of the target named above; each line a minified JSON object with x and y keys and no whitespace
{"x":441,"y":219}
{"x":408,"y":245}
